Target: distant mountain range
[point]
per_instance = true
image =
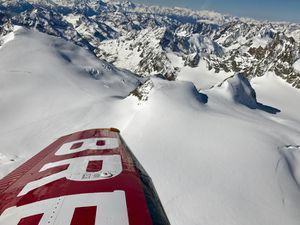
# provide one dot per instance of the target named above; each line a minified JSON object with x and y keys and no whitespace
{"x":144,"y":39}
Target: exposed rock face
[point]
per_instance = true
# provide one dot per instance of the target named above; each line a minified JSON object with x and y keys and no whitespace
{"x":192,"y":60}
{"x":138,"y":38}
{"x":277,"y":54}
{"x":5,"y":25}
{"x":142,"y":92}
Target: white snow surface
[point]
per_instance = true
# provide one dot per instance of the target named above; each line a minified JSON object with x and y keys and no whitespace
{"x":297,"y":65}
{"x":8,"y":37}
{"x":212,"y":159}
{"x":201,"y":77}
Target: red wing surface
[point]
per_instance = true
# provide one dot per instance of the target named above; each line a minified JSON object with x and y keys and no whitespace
{"x":86,"y":178}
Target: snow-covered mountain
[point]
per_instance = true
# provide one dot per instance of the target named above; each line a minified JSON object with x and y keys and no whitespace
{"x":220,"y":147}
{"x":144,"y":39}
{"x":227,"y":155}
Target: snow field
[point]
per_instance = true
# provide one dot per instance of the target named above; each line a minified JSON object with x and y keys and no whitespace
{"x":212,"y":159}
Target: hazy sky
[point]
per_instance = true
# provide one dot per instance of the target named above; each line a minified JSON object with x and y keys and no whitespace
{"x":279,"y":10}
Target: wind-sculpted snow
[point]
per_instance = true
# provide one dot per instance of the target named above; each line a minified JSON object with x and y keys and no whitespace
{"x":238,"y":90}
{"x":291,"y":156}
{"x":242,"y":92}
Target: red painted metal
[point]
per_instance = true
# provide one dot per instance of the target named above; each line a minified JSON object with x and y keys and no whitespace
{"x":129,"y":181}
{"x":94,"y":166}
{"x":86,"y":214}
{"x":31,"y":220}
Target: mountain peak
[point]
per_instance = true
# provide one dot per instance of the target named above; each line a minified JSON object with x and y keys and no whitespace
{"x":153,"y":40}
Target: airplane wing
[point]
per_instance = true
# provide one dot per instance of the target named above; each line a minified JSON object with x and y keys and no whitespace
{"x":85,"y":178}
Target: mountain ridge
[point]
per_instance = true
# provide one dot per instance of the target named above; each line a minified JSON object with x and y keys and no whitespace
{"x":224,"y":42}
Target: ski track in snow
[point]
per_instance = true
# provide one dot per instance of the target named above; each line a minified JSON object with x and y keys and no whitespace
{"x":214,"y":162}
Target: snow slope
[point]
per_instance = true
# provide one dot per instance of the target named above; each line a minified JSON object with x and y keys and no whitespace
{"x":215,"y":163}
{"x":297,"y":65}
{"x":201,"y":76}
{"x":47,"y":81}
{"x":213,"y":160}
{"x":8,"y":37}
